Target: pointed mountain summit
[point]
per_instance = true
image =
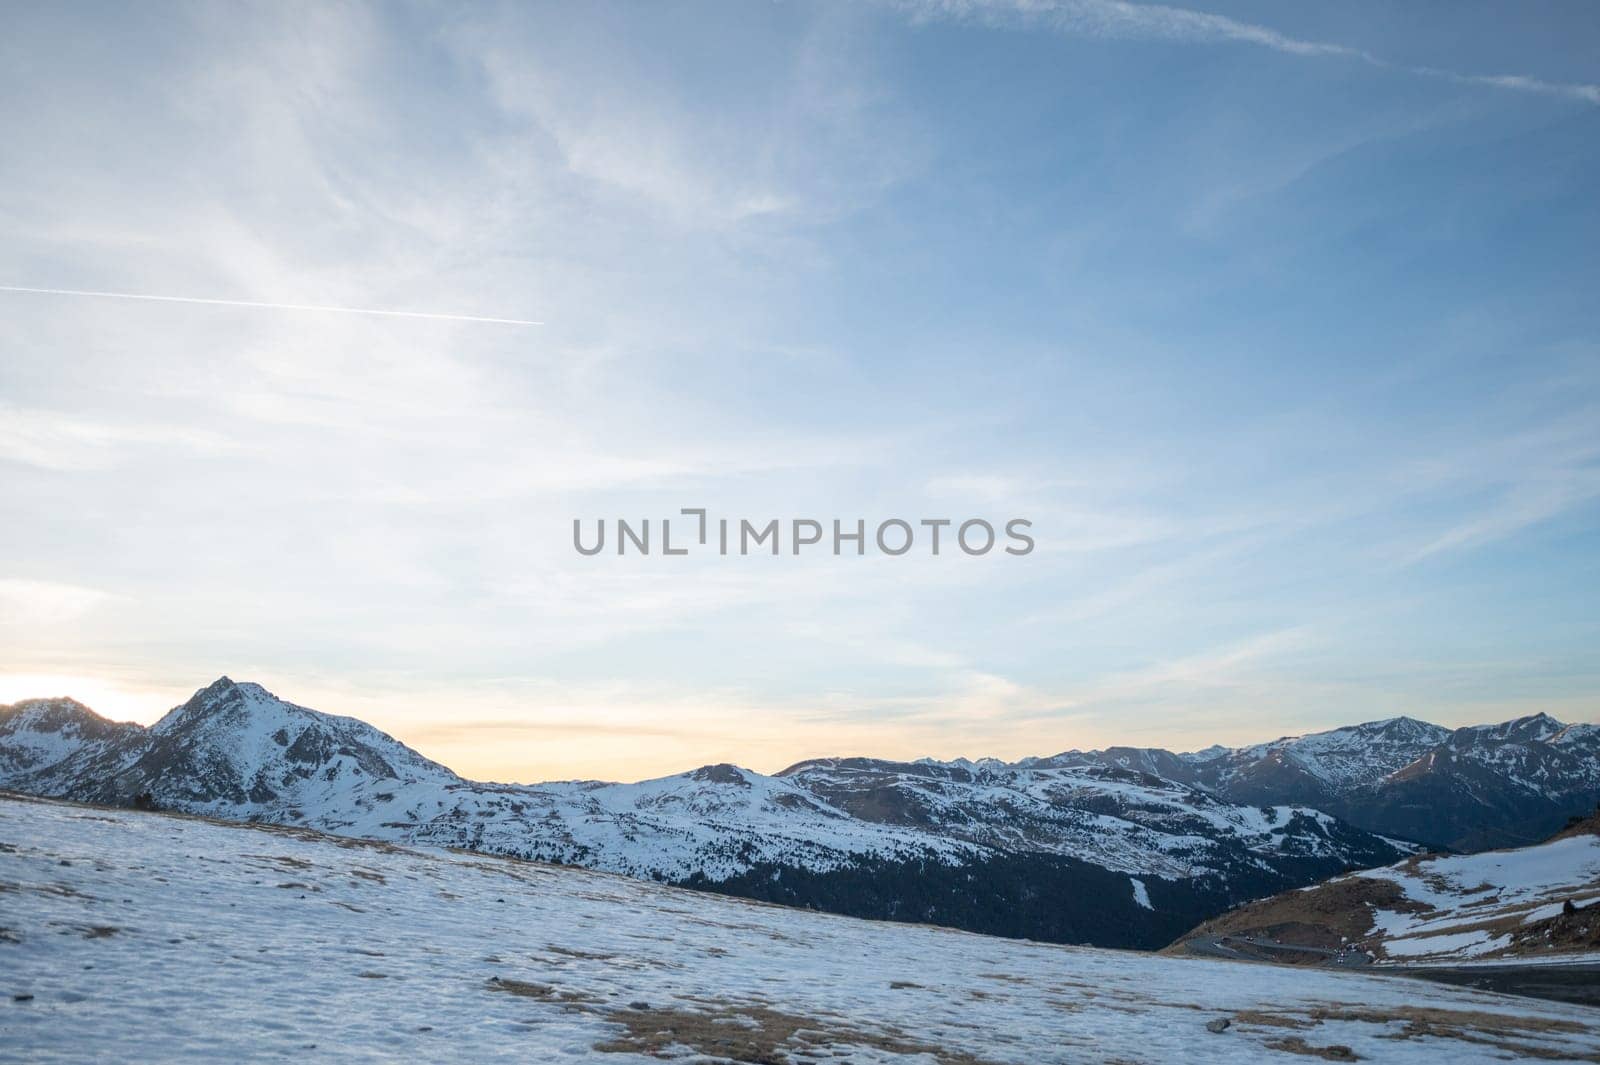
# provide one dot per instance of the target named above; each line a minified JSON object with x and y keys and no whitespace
{"x":235,"y":743}
{"x":231,"y":745}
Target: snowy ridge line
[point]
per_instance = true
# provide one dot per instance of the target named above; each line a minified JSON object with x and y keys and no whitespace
{"x":236,"y":751}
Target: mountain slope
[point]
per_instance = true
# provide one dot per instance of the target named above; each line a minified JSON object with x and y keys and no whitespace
{"x":1525,"y":903}
{"x":1069,"y":852}
{"x":44,"y":742}
{"x":1464,"y":789}
{"x":136,"y":937}
{"x":1159,"y":825}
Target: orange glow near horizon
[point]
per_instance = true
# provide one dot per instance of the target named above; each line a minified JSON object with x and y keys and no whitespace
{"x":521,"y":738}
{"x":109,"y":699}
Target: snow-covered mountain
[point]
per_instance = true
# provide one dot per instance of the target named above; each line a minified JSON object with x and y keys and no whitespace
{"x":1126,"y":846}
{"x":1128,"y":820}
{"x":45,"y":743}
{"x":1529,"y":903}
{"x":129,"y":936}
{"x":1079,"y":852}
{"x":1466,"y":789}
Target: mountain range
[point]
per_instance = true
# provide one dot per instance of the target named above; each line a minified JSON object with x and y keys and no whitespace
{"x":1121,"y":847}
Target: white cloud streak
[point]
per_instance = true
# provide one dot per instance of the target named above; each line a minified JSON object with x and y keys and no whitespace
{"x":1121,"y":20}
{"x":261,"y":305}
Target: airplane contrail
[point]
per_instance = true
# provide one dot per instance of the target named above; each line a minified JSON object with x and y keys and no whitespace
{"x":268,"y":306}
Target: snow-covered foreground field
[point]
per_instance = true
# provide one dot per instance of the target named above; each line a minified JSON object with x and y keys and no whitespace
{"x":144,"y":937}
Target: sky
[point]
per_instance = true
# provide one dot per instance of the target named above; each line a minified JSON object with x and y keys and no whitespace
{"x":1278,"y":322}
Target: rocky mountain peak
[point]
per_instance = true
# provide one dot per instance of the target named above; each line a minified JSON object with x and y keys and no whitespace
{"x":721,"y":773}
{"x":48,"y":715}
{"x":1532,"y":728}
{"x":41,"y":737}
{"x":1402,"y":727}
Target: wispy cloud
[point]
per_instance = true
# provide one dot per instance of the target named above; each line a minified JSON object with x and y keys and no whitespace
{"x":1520,"y":507}
{"x":1521,"y":480}
{"x":262,"y":305}
{"x":47,"y":602}
{"x":1122,"y":20}
{"x":62,"y":441}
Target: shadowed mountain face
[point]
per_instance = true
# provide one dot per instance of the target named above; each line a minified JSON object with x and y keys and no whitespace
{"x":1125,"y":847}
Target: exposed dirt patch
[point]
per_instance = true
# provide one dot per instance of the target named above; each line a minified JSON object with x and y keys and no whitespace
{"x":1463,"y":1020}
{"x":1324,"y":917}
{"x":584,"y":954}
{"x":1295,"y":1045}
{"x":1578,"y":929}
{"x":65,"y":891}
{"x":1006,"y":978}
{"x":350,"y":844}
{"x":1271,"y":1020}
{"x":744,"y":1032}
{"x":1586,"y":826}
{"x":757,"y":1034}
{"x":542,"y":992}
{"x":1500,"y":1031}
{"x":288,"y":861}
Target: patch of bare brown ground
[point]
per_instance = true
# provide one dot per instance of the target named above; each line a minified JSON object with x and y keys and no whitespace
{"x":755,"y":1034}
{"x":1587,"y":826}
{"x":1497,"y":1030}
{"x":1578,"y":930}
{"x":1295,"y":1045}
{"x":1271,"y":1020}
{"x":743,"y":1032}
{"x":1325,"y":916}
{"x":542,"y":992}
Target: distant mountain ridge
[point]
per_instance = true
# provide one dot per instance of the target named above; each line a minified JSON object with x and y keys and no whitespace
{"x":1468,"y":788}
{"x":1126,"y":847}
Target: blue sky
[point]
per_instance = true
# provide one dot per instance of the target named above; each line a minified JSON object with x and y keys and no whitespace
{"x":1278,"y":322}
